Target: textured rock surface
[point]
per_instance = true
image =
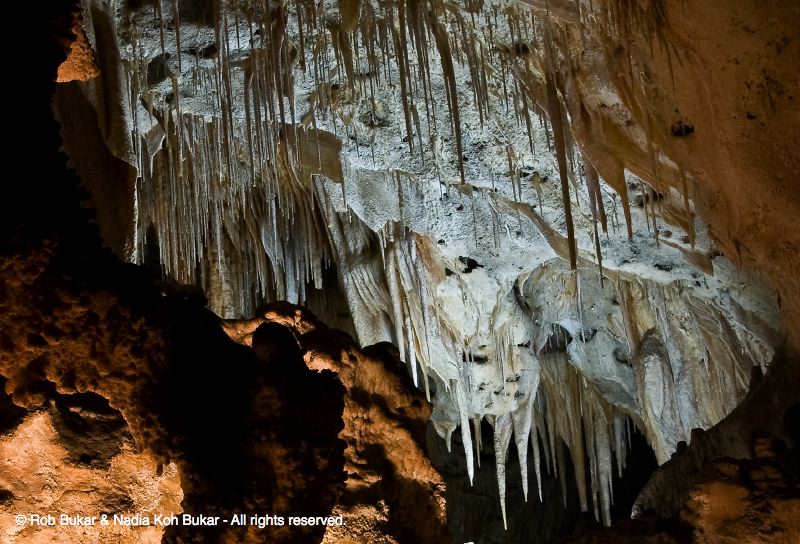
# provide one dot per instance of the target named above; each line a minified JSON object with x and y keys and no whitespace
{"x":731,"y":500}
{"x":233,"y":420}
{"x":390,"y":479}
{"x":80,"y":64}
{"x":228,"y":423}
{"x":744,"y":501}
{"x":661,"y":78}
{"x":78,"y":460}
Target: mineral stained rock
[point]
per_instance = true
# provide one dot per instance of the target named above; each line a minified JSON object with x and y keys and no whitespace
{"x":731,"y":500}
{"x":41,"y":473}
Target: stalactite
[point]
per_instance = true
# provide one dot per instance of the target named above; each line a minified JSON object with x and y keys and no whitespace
{"x":463,"y":403}
{"x":399,"y":37}
{"x":242,"y":197}
{"x":621,"y":185}
{"x":502,"y":438}
{"x":554,"y":110}
{"x":537,"y":462}
{"x":445,"y":55}
{"x":521,"y":420}
{"x":595,"y":202}
{"x":687,"y":208}
{"x":476,"y":428}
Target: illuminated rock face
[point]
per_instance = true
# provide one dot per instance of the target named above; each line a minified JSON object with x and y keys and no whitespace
{"x":137,"y":403}
{"x":449,"y":180}
{"x":66,"y":465}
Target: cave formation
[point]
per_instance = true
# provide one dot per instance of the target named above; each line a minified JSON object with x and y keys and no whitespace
{"x":484,"y":271}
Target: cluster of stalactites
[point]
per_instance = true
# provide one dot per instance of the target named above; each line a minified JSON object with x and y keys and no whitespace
{"x":412,"y":309}
{"x":228,"y":196}
{"x":512,"y":56}
{"x":251,"y":100}
{"x":217,"y":227}
{"x":224,"y":196}
{"x":565,"y":412}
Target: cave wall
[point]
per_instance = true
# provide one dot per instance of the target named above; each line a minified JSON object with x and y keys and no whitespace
{"x":710,"y":89}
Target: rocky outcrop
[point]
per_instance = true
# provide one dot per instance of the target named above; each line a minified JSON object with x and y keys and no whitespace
{"x":390,"y":479}
{"x":731,"y":500}
{"x":769,"y":410}
{"x":234,"y":423}
{"x":108,"y":376}
{"x":744,"y":501}
{"x":80,"y":64}
{"x":76,"y":458}
{"x":144,"y":379}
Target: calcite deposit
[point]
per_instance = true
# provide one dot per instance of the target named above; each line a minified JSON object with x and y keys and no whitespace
{"x":485,"y":186}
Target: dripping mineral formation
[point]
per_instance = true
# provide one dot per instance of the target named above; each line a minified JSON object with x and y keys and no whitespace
{"x":577,"y":223}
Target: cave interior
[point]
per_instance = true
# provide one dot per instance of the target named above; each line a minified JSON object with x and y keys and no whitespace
{"x":491,"y":271}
